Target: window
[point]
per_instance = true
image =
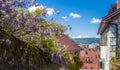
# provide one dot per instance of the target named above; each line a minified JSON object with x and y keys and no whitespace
{"x":87,"y":59}
{"x":96,"y":56}
{"x":91,"y":62}
{"x":85,"y":67}
{"x":91,"y":68}
{"x":86,"y":52}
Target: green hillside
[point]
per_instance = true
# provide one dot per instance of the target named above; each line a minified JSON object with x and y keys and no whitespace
{"x":87,"y":40}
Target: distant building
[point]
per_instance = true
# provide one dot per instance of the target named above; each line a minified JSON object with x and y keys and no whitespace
{"x":90,"y":58}
{"x":93,"y":45}
{"x":83,"y":46}
{"x":110,"y":33}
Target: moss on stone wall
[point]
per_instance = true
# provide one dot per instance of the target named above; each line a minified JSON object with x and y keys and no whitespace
{"x":19,"y":55}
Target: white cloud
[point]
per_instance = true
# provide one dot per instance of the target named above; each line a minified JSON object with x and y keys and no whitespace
{"x":33,"y":8}
{"x":50,"y":11}
{"x":95,"y":20}
{"x":74,"y":15}
{"x":79,"y":36}
{"x":64,"y":17}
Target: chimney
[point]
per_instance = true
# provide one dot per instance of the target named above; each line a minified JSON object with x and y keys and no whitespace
{"x":118,"y":4}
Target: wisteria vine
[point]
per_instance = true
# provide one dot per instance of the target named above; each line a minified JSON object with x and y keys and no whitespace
{"x":30,"y":27}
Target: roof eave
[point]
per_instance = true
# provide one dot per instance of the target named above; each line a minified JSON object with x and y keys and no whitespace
{"x":102,"y":27}
{"x":105,"y":20}
{"x":99,"y":29}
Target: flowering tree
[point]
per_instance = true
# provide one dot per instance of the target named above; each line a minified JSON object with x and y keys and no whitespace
{"x":31,"y":28}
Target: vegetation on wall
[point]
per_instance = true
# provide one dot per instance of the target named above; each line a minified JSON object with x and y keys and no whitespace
{"x":115,"y":63}
{"x":27,"y":40}
{"x":19,"y":55}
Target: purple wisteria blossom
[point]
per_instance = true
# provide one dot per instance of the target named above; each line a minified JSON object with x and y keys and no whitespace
{"x":58,"y":59}
{"x":8,"y":42}
{"x":19,"y":22}
{"x":2,"y":41}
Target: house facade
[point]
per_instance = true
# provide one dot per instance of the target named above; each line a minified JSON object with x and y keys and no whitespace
{"x":110,"y":35}
{"x":90,"y":58}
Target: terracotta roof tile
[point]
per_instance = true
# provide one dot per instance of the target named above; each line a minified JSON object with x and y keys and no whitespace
{"x":69,"y":43}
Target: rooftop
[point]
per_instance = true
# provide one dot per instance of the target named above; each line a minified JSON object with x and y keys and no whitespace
{"x":114,"y":11}
{"x":69,"y":43}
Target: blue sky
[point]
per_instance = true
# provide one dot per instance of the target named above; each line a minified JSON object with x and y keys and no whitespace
{"x":82,"y":15}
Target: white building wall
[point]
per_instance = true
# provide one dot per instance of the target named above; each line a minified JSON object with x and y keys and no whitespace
{"x":108,"y":52}
{"x":104,"y":57}
{"x":103,"y":52}
{"x":106,"y":49}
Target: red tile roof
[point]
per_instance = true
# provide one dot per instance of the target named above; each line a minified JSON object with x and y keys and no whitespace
{"x":112,"y":8}
{"x":69,"y":43}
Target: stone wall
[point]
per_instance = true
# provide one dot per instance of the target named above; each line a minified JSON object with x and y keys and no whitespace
{"x":19,"y":55}
{"x":116,"y":20}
